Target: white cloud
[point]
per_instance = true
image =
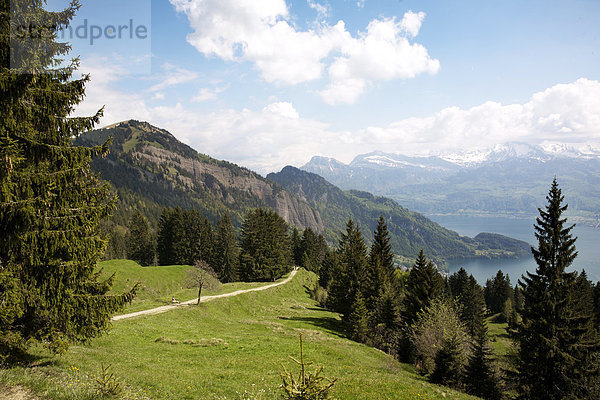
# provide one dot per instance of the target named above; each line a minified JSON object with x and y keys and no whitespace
{"x":173,"y":76}
{"x":205,"y":94}
{"x":277,"y":135}
{"x":564,"y":113}
{"x":321,"y":9}
{"x":381,"y":53}
{"x":158,"y":96}
{"x":262,"y":33}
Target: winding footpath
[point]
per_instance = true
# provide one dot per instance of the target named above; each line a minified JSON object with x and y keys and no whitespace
{"x":162,"y":309}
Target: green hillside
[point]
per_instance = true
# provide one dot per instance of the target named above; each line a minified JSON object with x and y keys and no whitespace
{"x":409,"y":231}
{"x":226,"y":349}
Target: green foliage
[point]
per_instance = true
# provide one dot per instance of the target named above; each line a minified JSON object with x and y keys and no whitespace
{"x":184,"y":236}
{"x":481,"y":378}
{"x":424,"y":285}
{"x":227,"y":251}
{"x":497,"y":291}
{"x":349,"y":276}
{"x":438,"y":326}
{"x":107,"y":383}
{"x":140,"y":243}
{"x":308,"y":386}
{"x":556,"y":341}
{"x":266,"y":252}
{"x":359,"y":320}
{"x":465,"y":289}
{"x":51,"y":205}
{"x":312,"y":249}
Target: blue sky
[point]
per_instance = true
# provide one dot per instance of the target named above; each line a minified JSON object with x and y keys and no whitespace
{"x":266,"y":83}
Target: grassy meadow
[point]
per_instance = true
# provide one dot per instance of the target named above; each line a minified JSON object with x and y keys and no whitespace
{"x":231,"y":348}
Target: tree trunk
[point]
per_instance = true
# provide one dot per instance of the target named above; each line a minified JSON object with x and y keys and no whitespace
{"x":199,"y":293}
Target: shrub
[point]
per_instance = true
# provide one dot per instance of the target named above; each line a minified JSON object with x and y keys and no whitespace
{"x":307,"y":386}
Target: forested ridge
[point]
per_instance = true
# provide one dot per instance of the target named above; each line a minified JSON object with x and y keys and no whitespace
{"x":150,"y":169}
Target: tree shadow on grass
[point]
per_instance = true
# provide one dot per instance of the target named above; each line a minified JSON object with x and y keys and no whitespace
{"x":327,"y":324}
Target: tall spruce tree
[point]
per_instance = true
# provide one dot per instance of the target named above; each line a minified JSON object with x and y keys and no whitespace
{"x":349,"y":276}
{"x":424,"y":284}
{"x":140,"y":243}
{"x":266,"y":252}
{"x":555,"y":338}
{"x":227,"y":251}
{"x":481,"y":378}
{"x":51,"y":204}
{"x":382,"y":249}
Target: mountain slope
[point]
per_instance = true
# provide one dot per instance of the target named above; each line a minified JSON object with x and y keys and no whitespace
{"x":510,"y":179}
{"x":149,"y":167}
{"x":409,"y":231}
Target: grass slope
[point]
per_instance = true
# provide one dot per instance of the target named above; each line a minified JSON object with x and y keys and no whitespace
{"x":229,"y":348}
{"x":159,"y":284}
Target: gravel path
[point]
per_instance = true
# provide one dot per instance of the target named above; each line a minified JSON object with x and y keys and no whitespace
{"x":204,"y":299}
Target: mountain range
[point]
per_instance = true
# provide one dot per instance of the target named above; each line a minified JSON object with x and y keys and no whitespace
{"x":509,"y":180}
{"x":148,"y":168}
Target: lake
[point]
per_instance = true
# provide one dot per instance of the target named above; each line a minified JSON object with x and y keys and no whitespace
{"x":588,"y":246}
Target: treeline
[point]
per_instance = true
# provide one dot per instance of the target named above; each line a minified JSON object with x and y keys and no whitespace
{"x":265,"y":250}
{"x":439,"y":324}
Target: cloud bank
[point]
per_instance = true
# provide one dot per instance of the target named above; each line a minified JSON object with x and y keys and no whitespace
{"x":262,"y":32}
{"x":277,"y":135}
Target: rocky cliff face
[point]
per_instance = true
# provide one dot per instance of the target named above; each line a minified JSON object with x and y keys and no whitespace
{"x":154,"y":164}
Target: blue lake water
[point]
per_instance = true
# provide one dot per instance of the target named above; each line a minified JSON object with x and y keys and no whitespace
{"x":588,"y":246}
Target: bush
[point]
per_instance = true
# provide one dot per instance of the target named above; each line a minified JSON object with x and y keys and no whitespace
{"x":436,"y":326}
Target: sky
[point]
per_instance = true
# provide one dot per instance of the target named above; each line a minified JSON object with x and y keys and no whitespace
{"x":269,"y":83}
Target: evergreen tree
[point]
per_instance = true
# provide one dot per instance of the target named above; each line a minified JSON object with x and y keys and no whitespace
{"x":449,"y":361}
{"x":349,"y":276}
{"x":382,"y":249}
{"x":297,"y":250}
{"x":424,"y":284}
{"x":465,"y":289}
{"x":266,"y":252}
{"x":199,"y":237}
{"x":51,"y":205}
{"x":165,"y":237}
{"x":380,"y":269}
{"x":359,"y":319}
{"x":481,"y":378}
{"x":497,"y":291}
{"x":328,"y":269}
{"x":312,"y":247}
{"x":555,"y":339}
{"x":140,"y":243}
{"x":226,"y":250}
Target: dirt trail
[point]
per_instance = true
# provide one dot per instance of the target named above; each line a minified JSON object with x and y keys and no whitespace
{"x":204,"y":299}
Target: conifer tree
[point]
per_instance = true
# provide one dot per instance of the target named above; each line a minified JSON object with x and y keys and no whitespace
{"x":424,"y":284}
{"x":382,"y":249}
{"x":359,"y":319}
{"x":555,"y":340}
{"x":481,"y":378}
{"x":166,"y":236}
{"x":266,"y":252}
{"x":51,"y":204}
{"x":226,"y":250}
{"x":380,"y":270}
{"x":465,"y":289}
{"x":140,"y":243}
{"x":349,"y":276}
{"x":297,"y":250}
{"x":497,"y":292}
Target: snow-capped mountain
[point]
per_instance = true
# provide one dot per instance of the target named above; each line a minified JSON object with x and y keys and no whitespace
{"x":509,"y":178}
